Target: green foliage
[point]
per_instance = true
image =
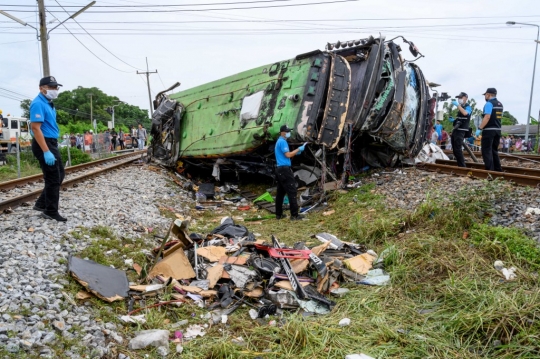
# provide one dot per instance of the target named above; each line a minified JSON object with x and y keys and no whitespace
{"x":77,"y":156}
{"x":25,"y":106}
{"x":508,"y":119}
{"x":74,"y":106}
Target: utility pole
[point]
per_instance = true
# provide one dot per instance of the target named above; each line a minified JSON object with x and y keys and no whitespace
{"x":91,"y":110}
{"x":147,"y":73}
{"x":43,"y":36}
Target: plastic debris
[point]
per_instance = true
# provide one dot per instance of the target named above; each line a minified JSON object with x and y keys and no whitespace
{"x":339,"y":292}
{"x":253,"y":314}
{"x":532,"y":210}
{"x":137,"y":319}
{"x":344,"y":322}
{"x":375,"y":277}
{"x":358,"y":356}
{"x":155,"y":337}
{"x":194,"y":331}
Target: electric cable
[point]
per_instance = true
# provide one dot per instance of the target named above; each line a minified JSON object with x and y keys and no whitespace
{"x":99,"y":43}
{"x":97,"y":57}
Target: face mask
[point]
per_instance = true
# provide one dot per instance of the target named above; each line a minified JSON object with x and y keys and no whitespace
{"x":51,"y":94}
{"x":461,"y":101}
{"x":288,"y":134}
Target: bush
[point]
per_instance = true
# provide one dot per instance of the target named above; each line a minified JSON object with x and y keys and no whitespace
{"x":77,"y":156}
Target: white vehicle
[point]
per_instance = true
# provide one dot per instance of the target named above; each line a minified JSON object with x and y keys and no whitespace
{"x":13,"y":127}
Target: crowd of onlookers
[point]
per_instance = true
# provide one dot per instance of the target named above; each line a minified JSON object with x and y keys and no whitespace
{"x":109,"y":140}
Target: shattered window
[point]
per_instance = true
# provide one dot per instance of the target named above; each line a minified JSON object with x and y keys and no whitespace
{"x":251,"y":106}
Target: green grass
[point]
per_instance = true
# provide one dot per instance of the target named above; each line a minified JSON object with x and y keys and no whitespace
{"x":445,"y":299}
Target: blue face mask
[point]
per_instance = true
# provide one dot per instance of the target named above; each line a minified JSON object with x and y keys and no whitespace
{"x":288,"y":134}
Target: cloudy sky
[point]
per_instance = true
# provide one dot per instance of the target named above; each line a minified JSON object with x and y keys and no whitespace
{"x":466,"y":44}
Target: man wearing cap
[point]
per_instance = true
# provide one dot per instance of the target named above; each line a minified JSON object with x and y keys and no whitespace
{"x":461,"y":127}
{"x":286,"y":183}
{"x":491,"y":131}
{"x":45,"y":147}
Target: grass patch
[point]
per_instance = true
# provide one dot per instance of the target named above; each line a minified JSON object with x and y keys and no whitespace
{"x":445,"y":299}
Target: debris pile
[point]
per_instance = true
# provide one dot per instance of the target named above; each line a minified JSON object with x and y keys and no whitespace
{"x":228,"y":268}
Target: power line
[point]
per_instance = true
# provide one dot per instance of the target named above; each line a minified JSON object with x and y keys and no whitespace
{"x":96,"y":56}
{"x":212,"y":9}
{"x":99,"y":43}
{"x":165,"y":5}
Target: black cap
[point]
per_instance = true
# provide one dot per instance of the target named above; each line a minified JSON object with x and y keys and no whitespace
{"x":462,"y":94}
{"x":491,"y":90}
{"x":49,"y":81}
{"x":284,"y":128}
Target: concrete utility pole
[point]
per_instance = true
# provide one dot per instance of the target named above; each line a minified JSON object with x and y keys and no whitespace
{"x":44,"y":38}
{"x":147,"y":73}
{"x":91,"y":110}
{"x":42,"y":34}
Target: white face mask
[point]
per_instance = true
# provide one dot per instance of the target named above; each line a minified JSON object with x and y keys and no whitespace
{"x":51,"y":94}
{"x":288,"y":134}
{"x":461,"y":101}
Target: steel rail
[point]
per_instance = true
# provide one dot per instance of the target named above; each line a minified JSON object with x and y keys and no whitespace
{"x":501,"y":155}
{"x":523,"y":180}
{"x":11,"y":203}
{"x":24,"y":180}
{"x":506,"y":169}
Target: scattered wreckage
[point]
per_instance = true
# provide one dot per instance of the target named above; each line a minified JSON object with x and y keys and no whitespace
{"x":357,"y":103}
{"x":229,"y":267}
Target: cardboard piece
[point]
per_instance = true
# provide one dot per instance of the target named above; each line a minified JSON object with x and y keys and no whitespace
{"x":285,"y":284}
{"x":174,"y":248}
{"x":240,"y":260}
{"x":214,"y":274}
{"x":82,"y":295}
{"x":332,"y":186}
{"x":199,"y":291}
{"x":179,"y":230}
{"x":212,"y":253}
{"x":175,"y":265}
{"x":300,"y":265}
{"x":360,"y":264}
{"x":107,"y":283}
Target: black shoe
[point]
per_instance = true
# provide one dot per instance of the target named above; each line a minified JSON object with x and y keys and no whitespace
{"x":57,"y":217}
{"x":36,"y":208}
{"x":298,"y":218}
{"x":280,"y":217}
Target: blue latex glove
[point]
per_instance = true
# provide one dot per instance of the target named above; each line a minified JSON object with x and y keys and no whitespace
{"x":478,"y":132}
{"x":301,"y":149}
{"x":455,"y":103}
{"x":451,"y":119}
{"x":49,"y":158}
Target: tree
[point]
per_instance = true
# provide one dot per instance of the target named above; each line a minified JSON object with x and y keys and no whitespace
{"x":508,"y":119}
{"x":25,"y":106}
{"x":73,"y":110}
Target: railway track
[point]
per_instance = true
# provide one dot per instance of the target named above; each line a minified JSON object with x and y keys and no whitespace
{"x":501,"y":155}
{"x":113,"y":163}
{"x":474,"y":170}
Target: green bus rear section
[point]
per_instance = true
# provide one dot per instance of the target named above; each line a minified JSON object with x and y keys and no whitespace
{"x":211,"y":124}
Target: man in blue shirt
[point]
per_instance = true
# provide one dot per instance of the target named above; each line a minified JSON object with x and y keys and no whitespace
{"x":286,"y":184}
{"x":45,"y":134}
{"x":491,"y":131}
{"x":461,"y":126}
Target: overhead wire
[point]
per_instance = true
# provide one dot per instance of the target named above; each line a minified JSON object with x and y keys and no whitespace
{"x":202,"y":10}
{"x":99,"y":43}
{"x":97,"y":57}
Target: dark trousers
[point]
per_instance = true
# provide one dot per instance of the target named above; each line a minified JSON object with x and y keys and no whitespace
{"x":457,"y":146}
{"x":121,"y":144}
{"x":53,"y":176}
{"x":286,"y":185}
{"x":490,"y":147}
{"x":113,"y":141}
